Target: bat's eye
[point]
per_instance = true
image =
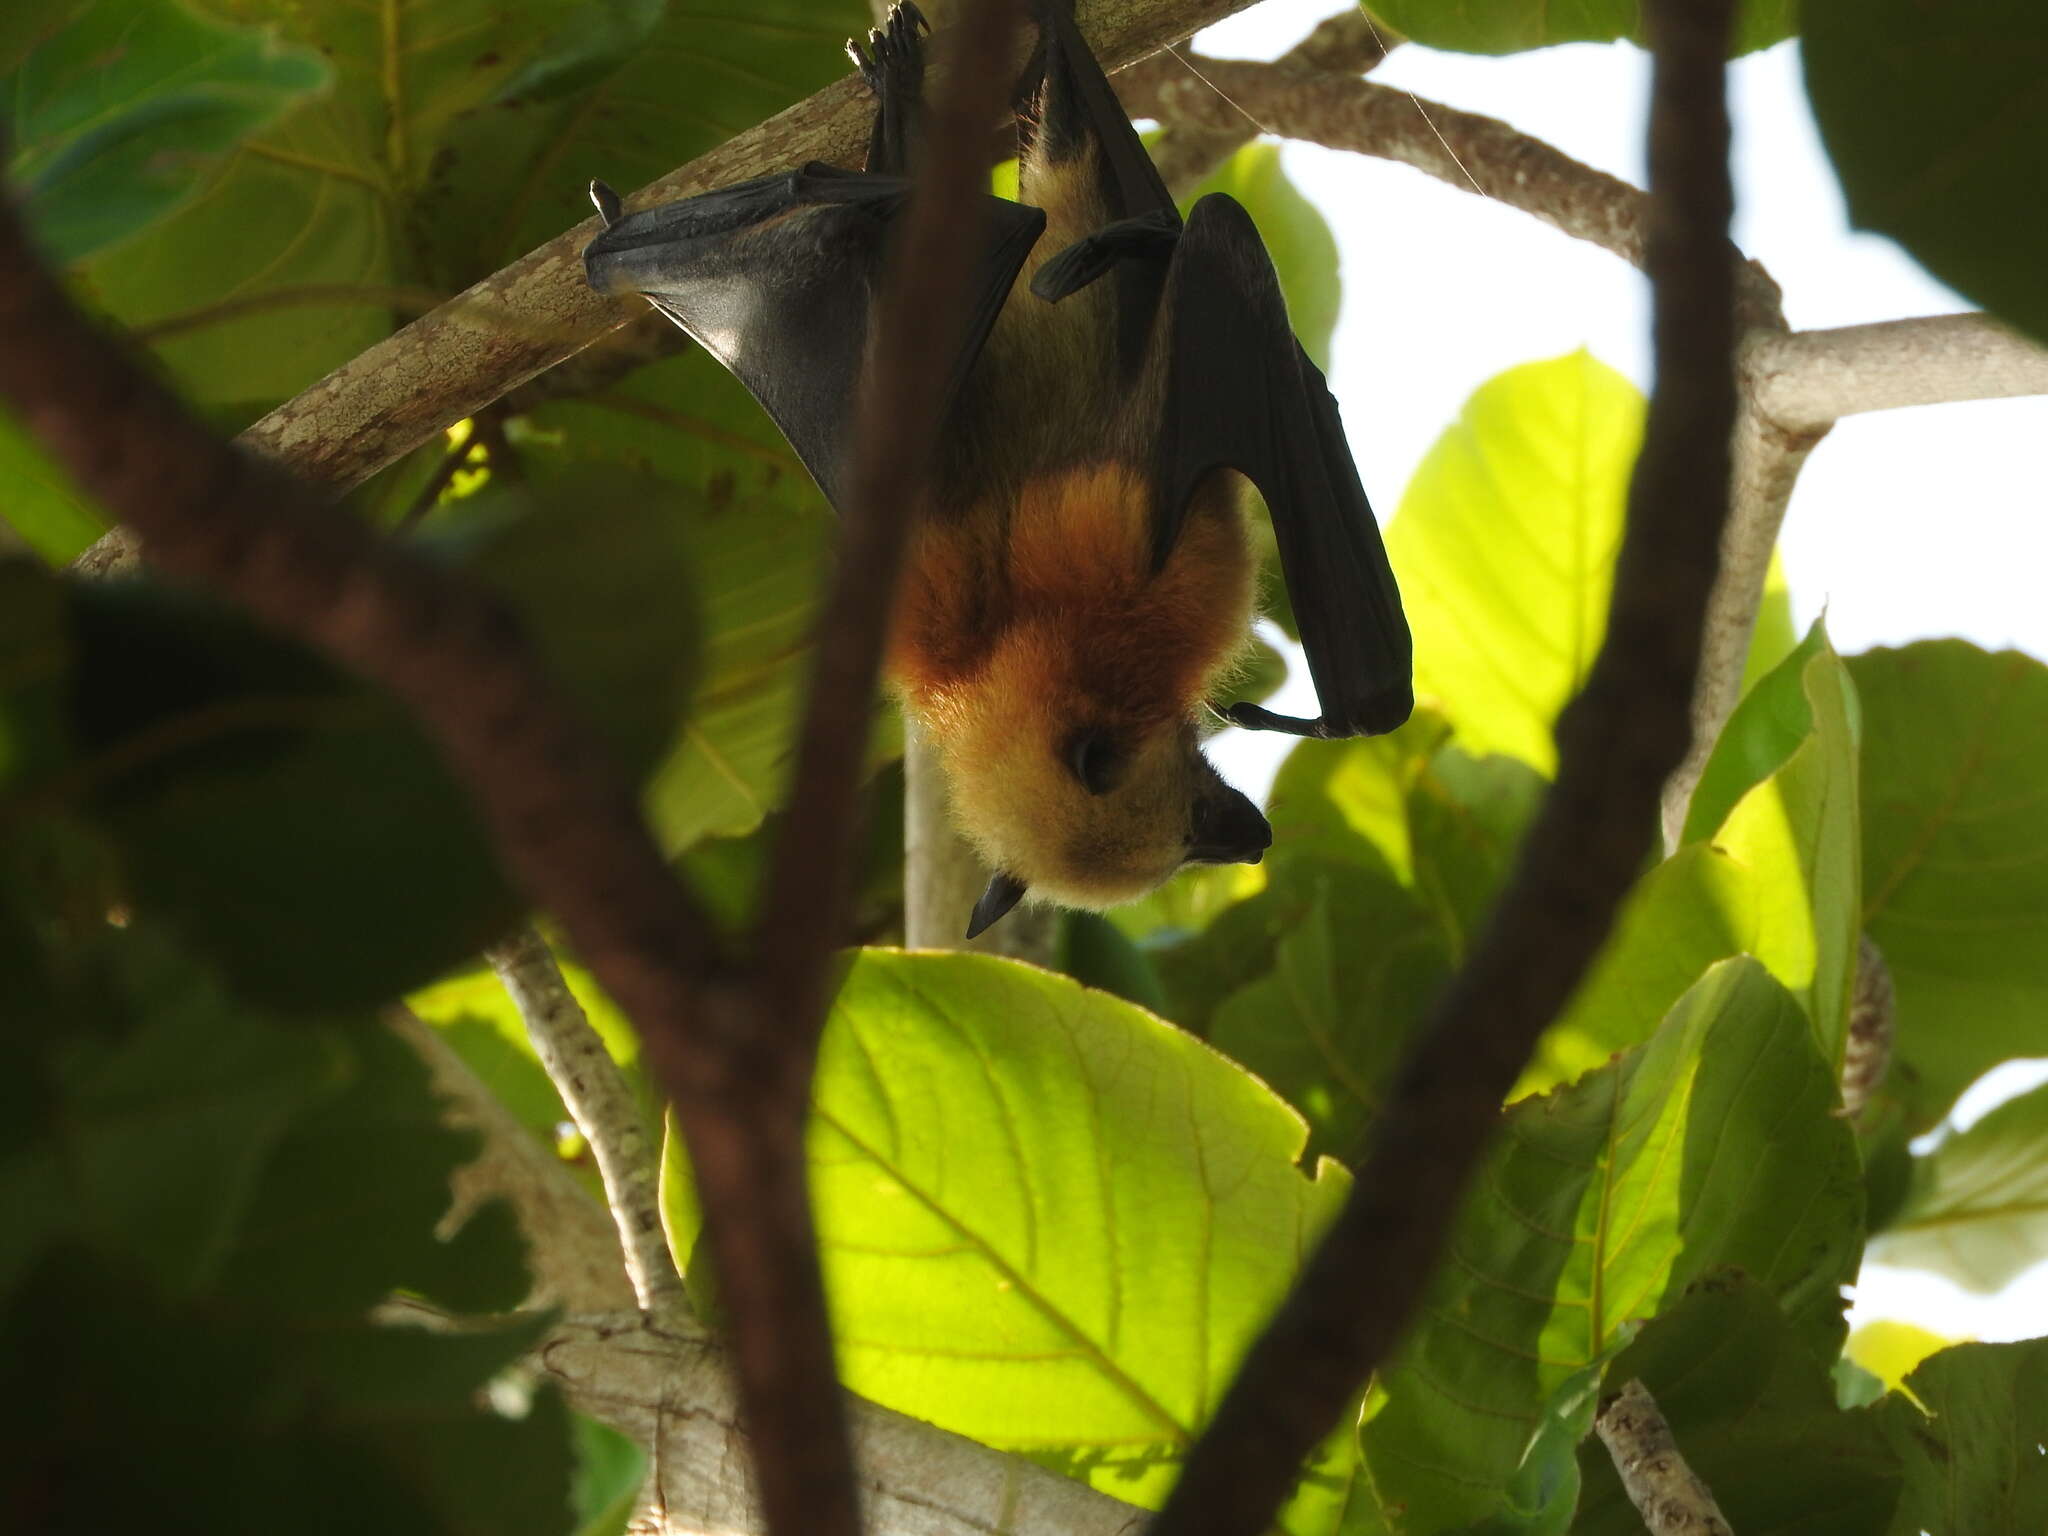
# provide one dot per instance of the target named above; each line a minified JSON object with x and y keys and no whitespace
{"x":1094,"y":759}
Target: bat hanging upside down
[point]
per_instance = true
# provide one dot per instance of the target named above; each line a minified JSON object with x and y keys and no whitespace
{"x":1081,"y":583}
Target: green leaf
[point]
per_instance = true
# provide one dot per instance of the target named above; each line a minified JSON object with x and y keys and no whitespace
{"x":35,"y":649}
{"x":1937,"y":123}
{"x":1505,"y":545}
{"x":1601,"y":1202}
{"x":1753,"y":1409}
{"x":157,"y":1125}
{"x":1696,"y":908}
{"x":512,"y":172}
{"x":1351,"y":976}
{"x":290,"y":823}
{"x":756,"y":535}
{"x":1955,"y":859}
{"x":1779,"y":796}
{"x":346,"y":1208}
{"x":1774,"y":637}
{"x":598,"y":567}
{"x":227,"y":1415}
{"x":1007,"y":1170}
{"x":1297,"y":237}
{"x":1974,"y":1462}
{"x":38,"y":501}
{"x":1977,"y":1210}
{"x":1513,"y":26}
{"x":123,"y":114}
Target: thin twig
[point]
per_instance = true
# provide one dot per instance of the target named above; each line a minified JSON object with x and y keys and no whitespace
{"x":605,"y":1110}
{"x":1190,"y":147}
{"x":1666,"y":1492}
{"x":1616,"y":743}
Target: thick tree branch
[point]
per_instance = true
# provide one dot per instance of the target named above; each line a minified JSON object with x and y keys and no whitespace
{"x":1616,"y":745}
{"x":1666,"y":1492}
{"x":671,"y":1391}
{"x":605,"y":1109}
{"x":1805,"y":381}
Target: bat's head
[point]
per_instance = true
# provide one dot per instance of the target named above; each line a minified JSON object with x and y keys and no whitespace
{"x":1062,"y":681}
{"x":1101,"y":816}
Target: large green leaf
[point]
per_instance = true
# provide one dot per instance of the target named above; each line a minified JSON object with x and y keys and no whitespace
{"x":122,"y":115}
{"x":1937,"y":122}
{"x":1779,"y":796}
{"x":1512,"y":26}
{"x":169,"y":1099}
{"x":1049,"y":1221}
{"x":456,"y":135}
{"x":1598,"y":1205}
{"x":294,"y":824}
{"x":1974,"y":1460}
{"x":1352,"y":973}
{"x":1977,"y":1210}
{"x":1955,"y":859}
{"x":1505,"y":542}
{"x":203,"y":1208}
{"x":1753,"y":1410}
{"x":756,"y":536}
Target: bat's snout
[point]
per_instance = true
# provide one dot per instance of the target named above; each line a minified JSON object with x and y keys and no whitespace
{"x":1229,"y":829}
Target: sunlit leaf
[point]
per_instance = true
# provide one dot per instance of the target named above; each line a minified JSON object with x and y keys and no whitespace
{"x":1505,"y":546}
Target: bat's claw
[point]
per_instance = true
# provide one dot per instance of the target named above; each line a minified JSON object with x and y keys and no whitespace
{"x":606,"y":201}
{"x":893,"y":59}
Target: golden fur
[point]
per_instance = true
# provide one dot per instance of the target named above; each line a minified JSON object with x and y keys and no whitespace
{"x":1020,"y":626}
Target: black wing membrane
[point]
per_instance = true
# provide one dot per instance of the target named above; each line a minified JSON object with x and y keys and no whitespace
{"x":1241,"y":394}
{"x":777,"y":279}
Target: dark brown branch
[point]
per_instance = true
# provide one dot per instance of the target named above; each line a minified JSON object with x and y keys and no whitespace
{"x":756,"y":1206}
{"x":919,"y":318}
{"x":1616,"y":744}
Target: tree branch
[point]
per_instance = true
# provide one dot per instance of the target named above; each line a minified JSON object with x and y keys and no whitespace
{"x":1666,"y":1492}
{"x":603,"y":1105}
{"x":1190,"y":147}
{"x":670,"y":1388}
{"x":1616,"y":745}
{"x":672,"y":1392}
{"x":1805,"y":381}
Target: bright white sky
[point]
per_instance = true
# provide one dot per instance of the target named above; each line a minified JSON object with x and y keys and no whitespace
{"x":1905,"y":524}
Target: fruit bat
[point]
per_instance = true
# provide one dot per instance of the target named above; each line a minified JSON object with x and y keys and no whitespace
{"x":1080,"y":582}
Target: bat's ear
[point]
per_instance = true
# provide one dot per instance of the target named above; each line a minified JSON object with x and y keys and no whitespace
{"x":1004,"y":892}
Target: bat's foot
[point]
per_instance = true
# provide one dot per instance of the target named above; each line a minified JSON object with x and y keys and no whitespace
{"x":893,"y":61}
